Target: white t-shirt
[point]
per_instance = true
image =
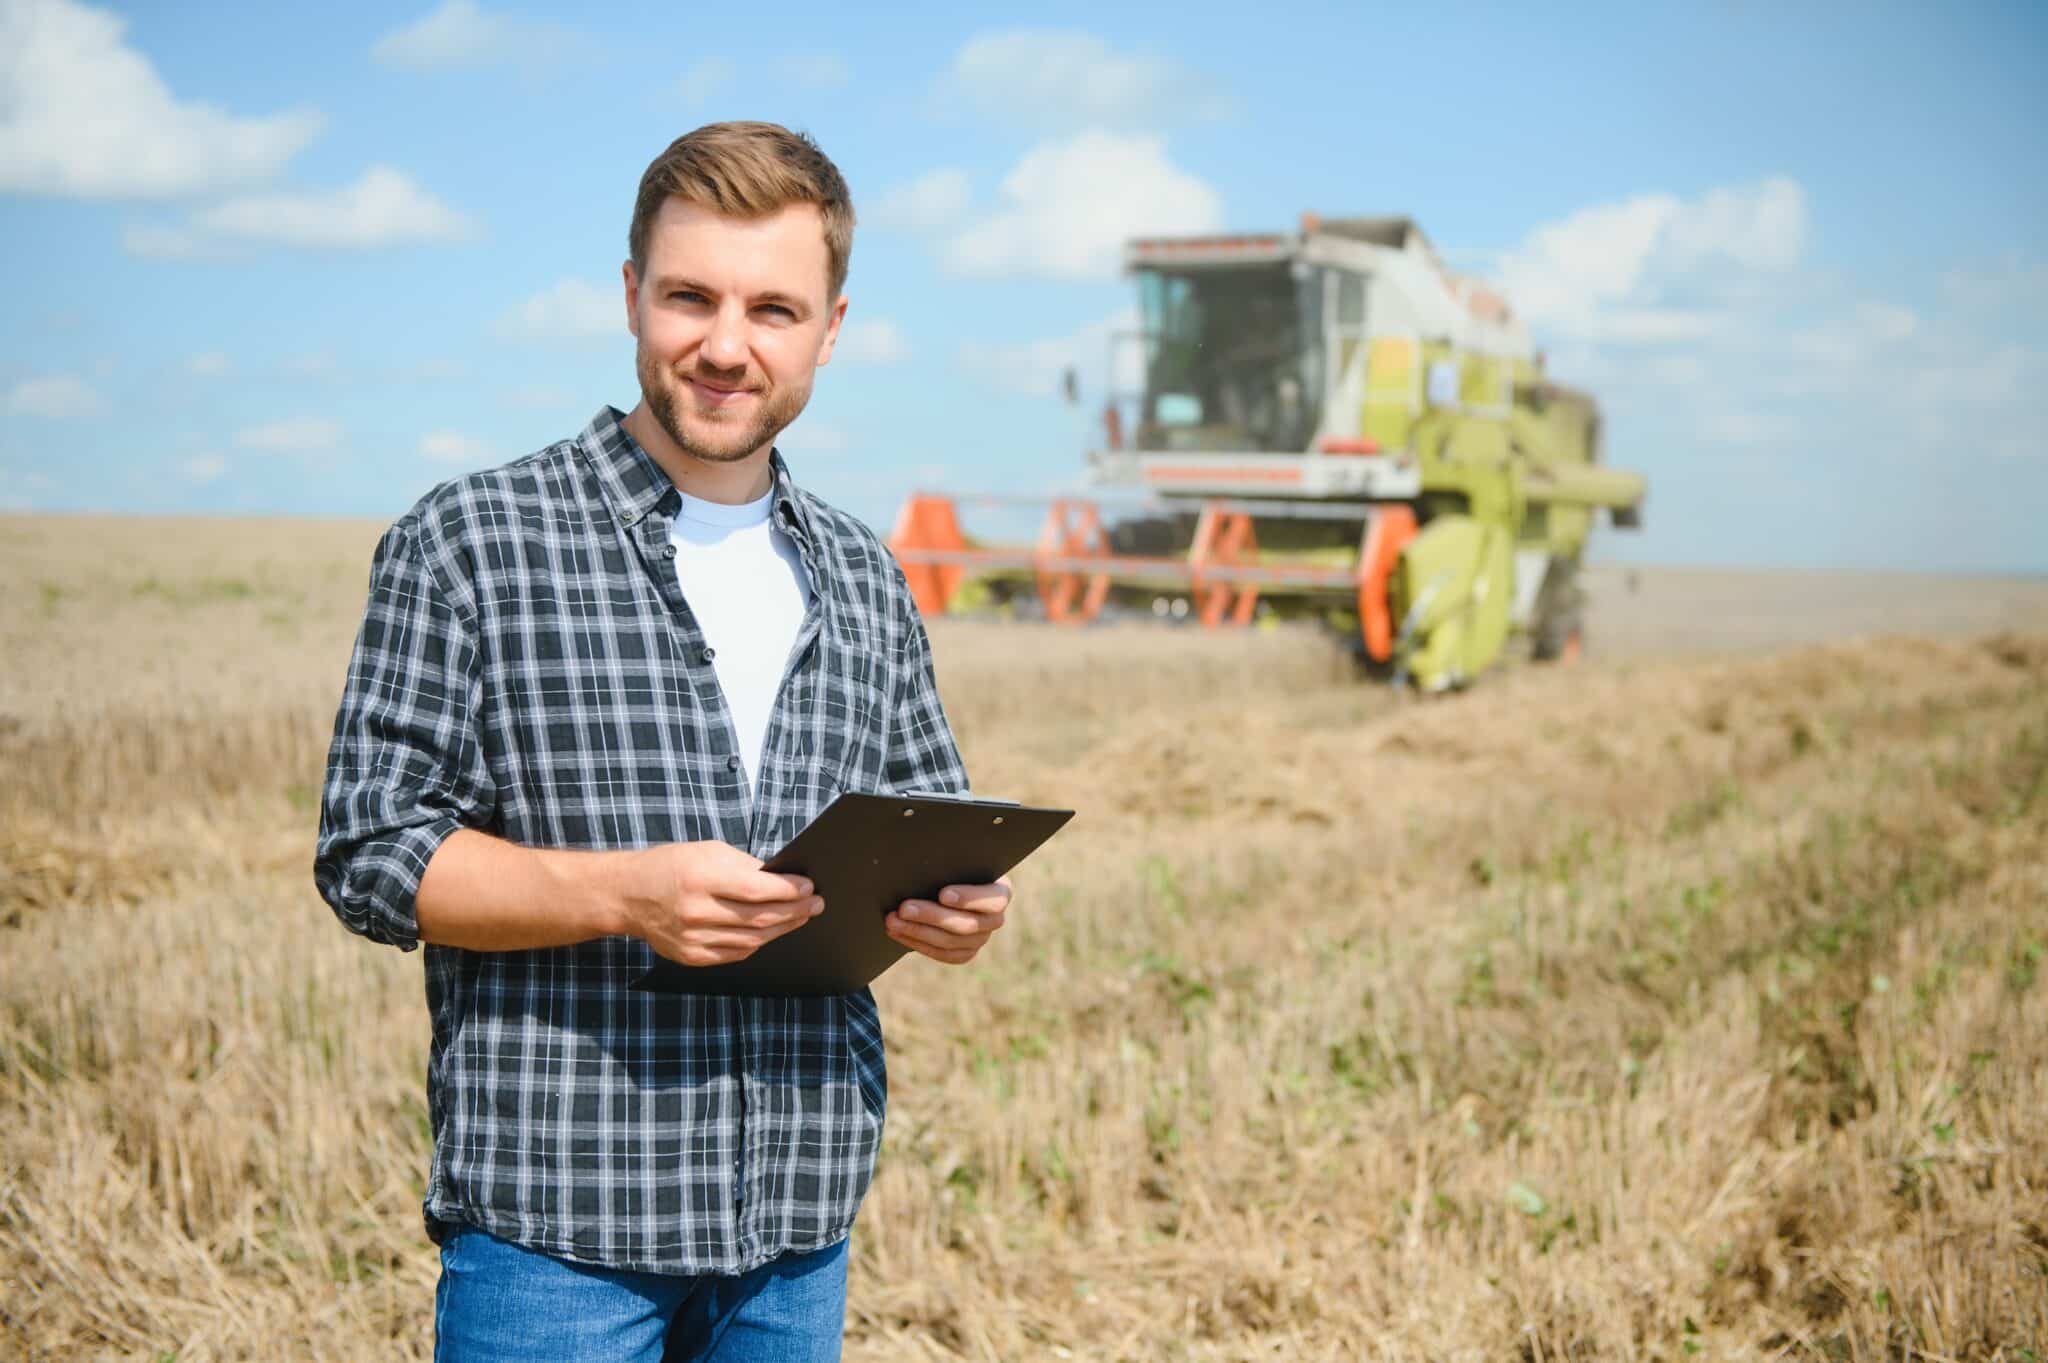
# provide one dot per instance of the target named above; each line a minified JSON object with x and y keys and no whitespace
{"x":745,"y":582}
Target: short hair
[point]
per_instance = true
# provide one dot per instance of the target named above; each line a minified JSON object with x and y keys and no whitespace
{"x":747,"y":170}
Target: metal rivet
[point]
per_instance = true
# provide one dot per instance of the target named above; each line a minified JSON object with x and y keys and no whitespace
{"x":908,"y":812}
{"x":999,"y":818}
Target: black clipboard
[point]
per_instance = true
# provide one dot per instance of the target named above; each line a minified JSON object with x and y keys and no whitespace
{"x":866,"y":854}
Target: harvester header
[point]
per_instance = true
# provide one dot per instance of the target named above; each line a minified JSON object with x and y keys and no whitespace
{"x":1328,"y":422}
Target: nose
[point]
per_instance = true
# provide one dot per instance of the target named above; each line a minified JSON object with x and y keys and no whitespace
{"x":725,"y":344}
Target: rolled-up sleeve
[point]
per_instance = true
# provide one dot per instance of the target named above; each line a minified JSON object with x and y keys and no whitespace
{"x":922,"y":753}
{"x":406,"y":767}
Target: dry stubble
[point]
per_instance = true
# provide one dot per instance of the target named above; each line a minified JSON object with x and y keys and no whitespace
{"x":1640,"y":1010}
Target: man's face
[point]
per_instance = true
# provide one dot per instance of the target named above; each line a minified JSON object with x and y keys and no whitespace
{"x":733,"y":319}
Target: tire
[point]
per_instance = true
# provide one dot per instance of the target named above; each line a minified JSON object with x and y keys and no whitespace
{"x":1559,"y":630}
{"x":1153,"y":536}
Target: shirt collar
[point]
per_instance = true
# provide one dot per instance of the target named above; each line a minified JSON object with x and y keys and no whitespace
{"x":635,"y":485}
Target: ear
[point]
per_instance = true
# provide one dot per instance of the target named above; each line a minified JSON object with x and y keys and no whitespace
{"x":632,"y":299}
{"x":832,"y":330}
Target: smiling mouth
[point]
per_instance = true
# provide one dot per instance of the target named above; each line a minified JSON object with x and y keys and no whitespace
{"x":717,"y":394}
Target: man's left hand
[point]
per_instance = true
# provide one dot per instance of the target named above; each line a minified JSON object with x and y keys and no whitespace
{"x":956,"y":926}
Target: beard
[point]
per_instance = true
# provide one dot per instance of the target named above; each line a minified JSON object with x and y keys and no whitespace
{"x":714,"y":436}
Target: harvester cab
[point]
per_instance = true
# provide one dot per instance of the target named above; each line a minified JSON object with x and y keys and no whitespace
{"x":1324,"y":422}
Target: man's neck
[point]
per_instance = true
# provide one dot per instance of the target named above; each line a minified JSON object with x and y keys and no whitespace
{"x":734,"y":483}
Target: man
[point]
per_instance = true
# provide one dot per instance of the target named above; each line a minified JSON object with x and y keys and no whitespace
{"x":592,"y":689}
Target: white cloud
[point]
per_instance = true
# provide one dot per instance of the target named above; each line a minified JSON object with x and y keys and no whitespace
{"x":877,"y":342}
{"x":1646,"y":324}
{"x":54,"y":396}
{"x":1723,"y":424}
{"x":1966,"y":371}
{"x":155,"y":241}
{"x":817,"y":71}
{"x":382,"y":208}
{"x":1713,"y":348}
{"x":210,"y":364}
{"x":1762,"y":227}
{"x":1045,"y":78}
{"x":932,"y":202}
{"x":1701,"y":302}
{"x":1887,"y":321}
{"x":1069,"y":206}
{"x":1038,"y":368}
{"x":1648,"y":268}
{"x":453,"y":447}
{"x":570,"y":309}
{"x":202,"y":468}
{"x":1674,"y":369}
{"x":84,"y":115}
{"x":320,"y":365}
{"x":706,"y":79}
{"x":297,"y":435}
{"x":2013,"y":283}
{"x":461,"y":33}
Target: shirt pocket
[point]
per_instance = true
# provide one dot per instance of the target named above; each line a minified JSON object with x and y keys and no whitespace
{"x":849,"y":717}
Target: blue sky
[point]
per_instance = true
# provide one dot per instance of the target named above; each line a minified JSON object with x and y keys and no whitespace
{"x":266,"y":259}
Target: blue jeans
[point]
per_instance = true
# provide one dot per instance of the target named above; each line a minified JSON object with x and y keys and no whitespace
{"x":500,"y":1303}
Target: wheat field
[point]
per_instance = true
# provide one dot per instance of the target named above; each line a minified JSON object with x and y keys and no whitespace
{"x":1657,"y":1007}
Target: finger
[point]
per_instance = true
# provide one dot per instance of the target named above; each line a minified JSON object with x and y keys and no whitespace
{"x":750,"y":915}
{"x":765,"y":935}
{"x":981,"y":898}
{"x":705,"y":948}
{"x":717,"y":911}
{"x":907,"y":932}
{"x":739,"y":942}
{"x":949,"y":955}
{"x":961,"y":922}
{"x":761,"y":887}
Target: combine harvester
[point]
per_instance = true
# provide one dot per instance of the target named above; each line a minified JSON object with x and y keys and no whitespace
{"x":1331,"y":423}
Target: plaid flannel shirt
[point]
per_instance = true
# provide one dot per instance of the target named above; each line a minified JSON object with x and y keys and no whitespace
{"x":528,"y":666}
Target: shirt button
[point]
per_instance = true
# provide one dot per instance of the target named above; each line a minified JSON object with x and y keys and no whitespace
{"x":733,"y":763}
{"x":668,"y":551}
{"x":708,"y":654}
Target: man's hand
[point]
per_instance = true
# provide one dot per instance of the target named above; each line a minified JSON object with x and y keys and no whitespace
{"x":709,"y":903}
{"x":957,"y":926}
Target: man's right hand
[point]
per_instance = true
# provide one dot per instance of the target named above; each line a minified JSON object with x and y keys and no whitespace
{"x":709,"y":903}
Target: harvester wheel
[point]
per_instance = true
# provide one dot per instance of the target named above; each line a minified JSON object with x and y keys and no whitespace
{"x":1560,"y":625}
{"x":1341,"y":627}
{"x":1155,"y":535}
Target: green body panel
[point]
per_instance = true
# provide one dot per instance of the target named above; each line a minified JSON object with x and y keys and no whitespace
{"x":1470,"y":458}
{"x":1494,"y":482}
{"x":1451,"y":592}
{"x":1392,"y":381}
{"x":1583,"y":485}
